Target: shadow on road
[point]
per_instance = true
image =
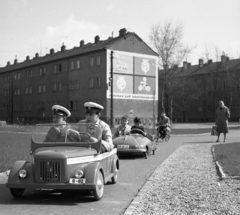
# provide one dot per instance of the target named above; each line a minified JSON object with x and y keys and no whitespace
{"x":46,"y":197}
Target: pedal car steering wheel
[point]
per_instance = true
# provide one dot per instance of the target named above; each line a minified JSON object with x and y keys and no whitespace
{"x":86,"y":137}
{"x":138,"y":131}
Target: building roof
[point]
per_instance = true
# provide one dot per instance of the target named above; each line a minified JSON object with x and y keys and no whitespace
{"x":98,"y":45}
{"x":201,"y":69}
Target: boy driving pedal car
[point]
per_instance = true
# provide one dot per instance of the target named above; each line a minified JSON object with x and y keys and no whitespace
{"x":58,"y":133}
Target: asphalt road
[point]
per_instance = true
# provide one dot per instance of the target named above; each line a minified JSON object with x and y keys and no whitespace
{"x":133,"y":174}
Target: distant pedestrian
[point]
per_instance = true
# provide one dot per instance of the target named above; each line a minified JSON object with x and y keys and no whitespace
{"x":222,"y":116}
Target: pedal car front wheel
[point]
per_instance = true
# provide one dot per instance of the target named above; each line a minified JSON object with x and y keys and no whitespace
{"x":99,"y":188}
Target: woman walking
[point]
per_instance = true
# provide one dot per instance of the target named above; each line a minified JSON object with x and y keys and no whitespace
{"x":222,"y":116}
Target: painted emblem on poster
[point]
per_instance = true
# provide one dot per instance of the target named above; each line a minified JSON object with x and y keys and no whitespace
{"x":121,"y":83}
{"x":145,"y":66}
{"x":121,"y":67}
{"x":143,"y":87}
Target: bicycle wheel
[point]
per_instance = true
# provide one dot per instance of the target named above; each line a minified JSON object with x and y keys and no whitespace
{"x":167,"y":137}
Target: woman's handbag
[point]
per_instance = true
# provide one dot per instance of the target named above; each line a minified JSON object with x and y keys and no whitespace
{"x":214,"y":131}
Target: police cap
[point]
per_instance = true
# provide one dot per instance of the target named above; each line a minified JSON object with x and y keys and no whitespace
{"x":92,"y":107}
{"x":60,"y":111}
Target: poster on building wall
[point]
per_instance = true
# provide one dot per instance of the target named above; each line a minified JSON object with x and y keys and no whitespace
{"x":144,"y":66}
{"x":144,"y":85}
{"x":134,"y":76}
{"x":122,"y":84}
{"x":122,"y":64}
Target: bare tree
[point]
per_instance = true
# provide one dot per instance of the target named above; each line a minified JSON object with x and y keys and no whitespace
{"x":166,"y":40}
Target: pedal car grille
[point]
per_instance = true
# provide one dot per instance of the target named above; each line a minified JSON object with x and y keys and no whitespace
{"x":50,"y":171}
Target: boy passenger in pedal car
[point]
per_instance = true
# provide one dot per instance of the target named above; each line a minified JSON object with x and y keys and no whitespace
{"x":92,"y":114}
{"x":58,"y":133}
{"x":137,"y":125}
{"x":124,"y":128}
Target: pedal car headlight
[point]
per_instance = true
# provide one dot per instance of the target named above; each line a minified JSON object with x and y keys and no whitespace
{"x":78,"y":173}
{"x":136,"y":146}
{"x":22,"y":173}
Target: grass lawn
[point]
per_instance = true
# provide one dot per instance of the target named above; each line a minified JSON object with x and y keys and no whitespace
{"x":228,"y":156}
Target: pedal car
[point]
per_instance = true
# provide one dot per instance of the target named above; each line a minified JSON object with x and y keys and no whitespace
{"x":71,"y":162}
{"x":135,"y":143}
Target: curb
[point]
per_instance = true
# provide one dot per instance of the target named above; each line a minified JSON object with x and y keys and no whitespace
{"x":220,"y":169}
{"x":138,"y":197}
{"x":4,"y":177}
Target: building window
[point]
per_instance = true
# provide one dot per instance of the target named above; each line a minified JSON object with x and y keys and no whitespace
{"x":90,"y":82}
{"x":60,"y":86}
{"x":91,"y":61}
{"x":44,"y":88}
{"x":72,"y":65}
{"x":54,"y":86}
{"x":14,"y":76}
{"x":209,"y":93}
{"x":71,"y":85}
{"x":40,"y":72}
{"x":29,"y":74}
{"x":98,"y":60}
{"x":26,"y":90}
{"x":98,"y":82}
{"x":30,"y":90}
{"x":55,"y":68}
{"x":71,"y":105}
{"x":18,"y":76}
{"x":78,"y":64}
{"x":44,"y":70}
{"x":76,"y":105}
{"x":60,"y":67}
{"x":39,"y":88}
{"x":77,"y":84}
{"x":6,"y":93}
{"x":6,"y":78}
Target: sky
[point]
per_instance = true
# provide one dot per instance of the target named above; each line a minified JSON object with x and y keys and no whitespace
{"x":28,"y":27}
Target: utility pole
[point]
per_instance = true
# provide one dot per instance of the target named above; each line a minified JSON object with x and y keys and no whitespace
{"x":12,"y":98}
{"x":111,"y":78}
{"x":153,"y":112}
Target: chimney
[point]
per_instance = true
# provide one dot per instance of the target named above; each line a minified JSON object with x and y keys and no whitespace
{"x":8,"y":63}
{"x":97,"y":38}
{"x":36,"y":55}
{"x":223,"y":58}
{"x":200,"y":63}
{"x":175,"y":66}
{"x":81,"y":43}
{"x":63,"y":48}
{"x":189,"y":64}
{"x":27,"y":58}
{"x":51,"y":51}
{"x":15,"y":61}
{"x":185,"y":64}
{"x":122,"y":32}
{"x":209,"y":61}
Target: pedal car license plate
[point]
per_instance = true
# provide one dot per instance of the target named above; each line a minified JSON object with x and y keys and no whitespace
{"x":77,"y":180}
{"x":123,"y":146}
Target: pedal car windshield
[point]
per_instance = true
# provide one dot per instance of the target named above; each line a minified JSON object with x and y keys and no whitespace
{"x":66,"y":133}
